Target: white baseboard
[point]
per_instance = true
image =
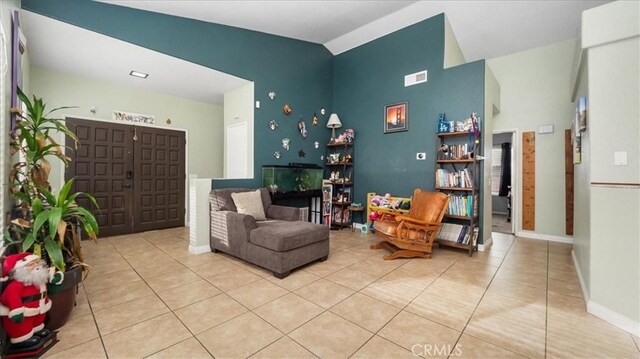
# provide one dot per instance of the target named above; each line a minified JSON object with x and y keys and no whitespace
{"x":199,"y":249}
{"x":485,"y":246}
{"x":583,"y":284}
{"x":614,"y":318}
{"x":544,"y":237}
{"x":601,"y":311}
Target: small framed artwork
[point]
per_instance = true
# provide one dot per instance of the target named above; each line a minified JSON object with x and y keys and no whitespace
{"x":396,"y":117}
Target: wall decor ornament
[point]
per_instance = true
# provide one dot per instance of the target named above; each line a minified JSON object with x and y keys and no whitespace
{"x":395,"y":117}
{"x":315,"y":119}
{"x":286,"y":109}
{"x":273,"y":125}
{"x":285,"y":143}
{"x":272,"y":95}
{"x":316,"y":144}
{"x":322,"y":111}
{"x":133,"y":117}
{"x":302,"y":128}
{"x":301,"y":154}
{"x":277,"y":154}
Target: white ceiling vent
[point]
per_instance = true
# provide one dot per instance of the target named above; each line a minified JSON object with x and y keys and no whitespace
{"x":416,"y":78}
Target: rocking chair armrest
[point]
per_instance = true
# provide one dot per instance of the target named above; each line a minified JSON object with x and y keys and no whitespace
{"x":415,"y":221}
{"x":401,"y":218}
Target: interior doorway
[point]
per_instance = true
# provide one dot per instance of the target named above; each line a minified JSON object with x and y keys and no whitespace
{"x":136,"y":174}
{"x":503,"y":181}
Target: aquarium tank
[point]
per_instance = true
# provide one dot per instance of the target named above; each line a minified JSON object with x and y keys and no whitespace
{"x":292,"y":178}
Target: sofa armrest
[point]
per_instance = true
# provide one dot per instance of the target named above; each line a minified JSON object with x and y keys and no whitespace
{"x":283,"y":213}
{"x":239,"y":225}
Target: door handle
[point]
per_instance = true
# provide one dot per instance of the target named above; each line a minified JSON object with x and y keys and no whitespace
{"x":129,"y":174}
{"x":128,"y":185}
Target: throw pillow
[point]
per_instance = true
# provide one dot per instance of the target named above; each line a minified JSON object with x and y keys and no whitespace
{"x":249,"y":203}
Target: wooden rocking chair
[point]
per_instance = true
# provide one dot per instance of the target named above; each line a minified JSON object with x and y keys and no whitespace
{"x":412,"y":235}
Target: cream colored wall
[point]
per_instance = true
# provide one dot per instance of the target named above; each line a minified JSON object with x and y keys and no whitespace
{"x":492,"y":106}
{"x":203,"y":122}
{"x":611,"y":37}
{"x":582,"y":187}
{"x":7,"y":8}
{"x":238,"y":107}
{"x":535,"y":90}
{"x":452,"y":53}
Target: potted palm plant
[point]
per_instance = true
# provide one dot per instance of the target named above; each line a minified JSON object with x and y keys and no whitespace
{"x":47,"y":224}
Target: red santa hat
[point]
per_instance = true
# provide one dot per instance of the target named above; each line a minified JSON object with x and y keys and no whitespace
{"x":15,"y":261}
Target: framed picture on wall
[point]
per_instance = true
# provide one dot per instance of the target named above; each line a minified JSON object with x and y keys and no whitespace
{"x":396,"y":117}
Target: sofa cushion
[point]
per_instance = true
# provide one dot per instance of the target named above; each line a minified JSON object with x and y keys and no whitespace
{"x":220,"y":199}
{"x":249,"y":203}
{"x":283,"y":236}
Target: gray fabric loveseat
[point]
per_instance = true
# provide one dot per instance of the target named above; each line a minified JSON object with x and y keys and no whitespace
{"x":280,"y":244}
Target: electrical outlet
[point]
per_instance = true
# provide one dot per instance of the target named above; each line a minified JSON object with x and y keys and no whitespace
{"x":421,"y":156}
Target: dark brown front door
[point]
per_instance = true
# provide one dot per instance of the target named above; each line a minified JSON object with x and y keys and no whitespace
{"x":159,"y":179}
{"x":136,"y":174}
{"x":100,"y":166}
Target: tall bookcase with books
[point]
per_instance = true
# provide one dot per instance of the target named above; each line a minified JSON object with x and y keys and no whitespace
{"x":339,"y":167}
{"x":457,"y":174}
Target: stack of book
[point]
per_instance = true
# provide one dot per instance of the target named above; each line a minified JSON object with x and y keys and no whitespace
{"x":458,"y":233}
{"x":458,"y":179}
{"x":463,"y":205}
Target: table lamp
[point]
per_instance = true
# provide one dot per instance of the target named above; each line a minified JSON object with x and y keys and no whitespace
{"x":334,"y":122}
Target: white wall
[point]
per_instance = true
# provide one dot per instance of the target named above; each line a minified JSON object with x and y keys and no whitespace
{"x":492,"y":107}
{"x":611,"y":38}
{"x":452,"y":53}
{"x":535,"y":88}
{"x":6,"y":12}
{"x":203,"y":122}
{"x":238,"y":107}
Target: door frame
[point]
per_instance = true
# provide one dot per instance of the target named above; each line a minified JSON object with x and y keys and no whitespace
{"x":515,"y":178}
{"x":186,"y":152}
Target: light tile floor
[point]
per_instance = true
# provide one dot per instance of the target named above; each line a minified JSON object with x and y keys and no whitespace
{"x":146,"y":296}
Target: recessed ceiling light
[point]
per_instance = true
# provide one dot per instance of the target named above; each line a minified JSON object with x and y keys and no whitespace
{"x":139,"y":74}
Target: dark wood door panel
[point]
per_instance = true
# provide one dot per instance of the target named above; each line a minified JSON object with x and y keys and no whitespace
{"x":159,"y":179}
{"x":100,"y":167}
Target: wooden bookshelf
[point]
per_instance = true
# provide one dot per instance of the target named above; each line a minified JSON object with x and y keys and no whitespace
{"x":464,"y":200}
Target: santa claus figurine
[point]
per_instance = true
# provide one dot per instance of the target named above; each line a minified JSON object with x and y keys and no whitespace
{"x":24,"y":301}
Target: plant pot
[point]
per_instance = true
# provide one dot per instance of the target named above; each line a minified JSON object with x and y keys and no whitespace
{"x":62,"y":303}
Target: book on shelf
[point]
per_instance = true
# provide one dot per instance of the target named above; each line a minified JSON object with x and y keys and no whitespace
{"x":458,"y":233}
{"x":463,"y":205}
{"x":454,"y":179}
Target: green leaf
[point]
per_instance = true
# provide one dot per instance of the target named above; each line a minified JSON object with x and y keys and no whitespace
{"x":28,"y":242}
{"x":54,"y":219}
{"x":51,"y":199}
{"x":55,"y":253}
{"x":40,"y":219}
{"x":64,"y":192}
{"x":25,"y":100}
{"x":36,"y":206}
{"x":88,"y":218}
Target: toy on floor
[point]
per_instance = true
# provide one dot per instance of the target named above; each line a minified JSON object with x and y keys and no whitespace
{"x":24,"y":303}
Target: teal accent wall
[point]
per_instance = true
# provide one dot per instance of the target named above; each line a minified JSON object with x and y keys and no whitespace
{"x":299,"y":72}
{"x":372,"y":75}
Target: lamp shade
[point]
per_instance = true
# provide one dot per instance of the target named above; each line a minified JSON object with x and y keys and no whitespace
{"x":334,"y":121}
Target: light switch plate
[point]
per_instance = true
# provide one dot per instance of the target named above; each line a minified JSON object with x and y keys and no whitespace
{"x":620,"y":158}
{"x":421,"y":156}
{"x":257,"y":104}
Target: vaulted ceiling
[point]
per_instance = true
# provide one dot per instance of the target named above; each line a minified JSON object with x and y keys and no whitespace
{"x":484,"y":29}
